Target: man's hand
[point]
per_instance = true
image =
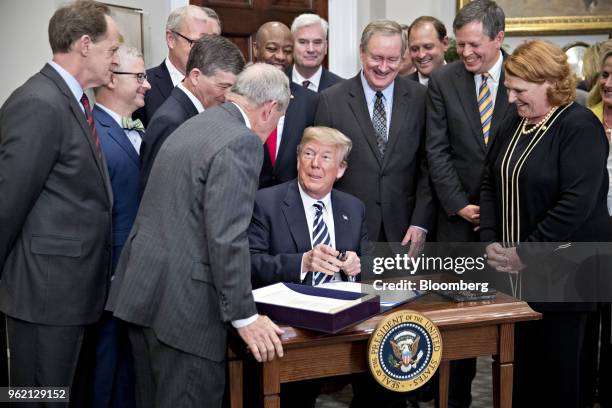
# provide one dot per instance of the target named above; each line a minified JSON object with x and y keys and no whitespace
{"x":416,"y":237}
{"x":352,"y":264}
{"x":470,"y":213}
{"x":322,"y":258}
{"x":261,"y":337}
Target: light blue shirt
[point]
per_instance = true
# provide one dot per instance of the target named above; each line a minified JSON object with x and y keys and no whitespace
{"x":370,"y":96}
{"x":71,"y":81}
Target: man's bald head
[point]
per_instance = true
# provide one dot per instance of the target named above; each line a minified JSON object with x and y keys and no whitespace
{"x":274,"y":44}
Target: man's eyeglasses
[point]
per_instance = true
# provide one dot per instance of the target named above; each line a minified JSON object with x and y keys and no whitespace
{"x":189,"y":40}
{"x":140,"y":76}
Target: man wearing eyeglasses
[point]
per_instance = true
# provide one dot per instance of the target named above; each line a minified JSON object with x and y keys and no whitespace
{"x":120,"y":139}
{"x":185,"y":25}
{"x":213,"y":64}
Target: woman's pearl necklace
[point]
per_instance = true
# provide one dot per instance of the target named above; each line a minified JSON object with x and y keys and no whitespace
{"x":540,"y":123}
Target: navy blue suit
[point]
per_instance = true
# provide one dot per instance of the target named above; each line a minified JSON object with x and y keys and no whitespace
{"x":161,"y":86}
{"x":173,"y":113}
{"x":278,"y":234}
{"x":300,"y":115}
{"x":114,"y":378}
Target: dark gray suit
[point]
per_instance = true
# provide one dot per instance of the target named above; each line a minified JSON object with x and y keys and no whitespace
{"x":55,"y":223}
{"x":395,"y":190}
{"x":171,"y":114}
{"x":278,"y":234}
{"x":456,"y":154}
{"x":185,"y":271}
{"x":455,"y":145}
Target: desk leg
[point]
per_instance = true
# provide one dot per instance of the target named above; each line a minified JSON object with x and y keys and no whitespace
{"x":235,"y":383}
{"x":271,"y":384}
{"x":443,"y":373}
{"x":503,"y":367}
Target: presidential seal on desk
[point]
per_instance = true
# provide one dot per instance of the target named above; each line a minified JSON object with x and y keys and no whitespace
{"x":404,"y":351}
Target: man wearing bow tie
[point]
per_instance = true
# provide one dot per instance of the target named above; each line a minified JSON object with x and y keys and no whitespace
{"x":120,"y":139}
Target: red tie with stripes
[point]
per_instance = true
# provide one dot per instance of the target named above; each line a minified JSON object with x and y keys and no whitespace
{"x":92,"y":126}
{"x":271,"y":145}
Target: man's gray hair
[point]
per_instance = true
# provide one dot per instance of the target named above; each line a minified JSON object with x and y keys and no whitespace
{"x":125,"y":52}
{"x":487,"y":12}
{"x":212,"y":14}
{"x":260,"y":83}
{"x":305,"y":20}
{"x":384,"y":27}
{"x":176,"y":17}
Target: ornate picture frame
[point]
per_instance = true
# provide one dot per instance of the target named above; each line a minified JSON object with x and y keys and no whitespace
{"x":536,"y":17}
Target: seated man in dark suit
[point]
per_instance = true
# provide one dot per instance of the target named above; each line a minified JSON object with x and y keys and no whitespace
{"x":213,"y":64}
{"x":296,"y":234}
{"x":283,"y":245}
{"x":185,"y":25}
{"x":274,"y":45}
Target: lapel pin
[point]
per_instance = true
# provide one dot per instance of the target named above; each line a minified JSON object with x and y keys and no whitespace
{"x":344,"y":217}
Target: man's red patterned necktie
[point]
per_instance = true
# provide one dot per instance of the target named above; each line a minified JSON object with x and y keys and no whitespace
{"x":92,"y":126}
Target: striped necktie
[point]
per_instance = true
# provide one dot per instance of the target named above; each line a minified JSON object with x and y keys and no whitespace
{"x":485,"y":107}
{"x":320,"y":235}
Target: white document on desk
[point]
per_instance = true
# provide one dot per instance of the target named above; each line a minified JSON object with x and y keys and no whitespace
{"x":388,"y":298}
{"x":281,"y":295}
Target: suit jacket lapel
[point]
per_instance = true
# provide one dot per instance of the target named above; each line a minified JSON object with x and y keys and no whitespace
{"x":293,"y":211}
{"x":500,"y":108}
{"x":116,"y":133}
{"x":359,"y":106}
{"x":400,"y":114}
{"x":341,"y":224}
{"x":288,"y":129}
{"x":164,"y":80}
{"x":79,"y":115}
{"x":466,"y":94}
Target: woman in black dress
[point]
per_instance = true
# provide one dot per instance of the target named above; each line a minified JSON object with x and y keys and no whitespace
{"x":545,"y":184}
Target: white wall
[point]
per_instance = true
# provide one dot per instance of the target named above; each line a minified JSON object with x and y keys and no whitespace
{"x":25,"y":46}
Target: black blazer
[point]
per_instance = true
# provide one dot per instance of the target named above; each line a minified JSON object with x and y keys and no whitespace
{"x":562,"y":193}
{"x":173,"y":113}
{"x":161,"y":87}
{"x":300,"y":114}
{"x":278,"y":234}
{"x":455,"y":145}
{"x":55,"y":207}
{"x":395,"y":190}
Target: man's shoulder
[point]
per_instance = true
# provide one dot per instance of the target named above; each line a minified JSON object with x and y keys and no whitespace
{"x":341,"y":88}
{"x":274,"y":195}
{"x":158,"y":70}
{"x":331,"y":77}
{"x":347,"y":199}
{"x":448,"y":71}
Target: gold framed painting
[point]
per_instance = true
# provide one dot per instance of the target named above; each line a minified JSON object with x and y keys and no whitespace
{"x":540,"y":17}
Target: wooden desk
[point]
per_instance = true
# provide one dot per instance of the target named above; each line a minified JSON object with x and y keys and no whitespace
{"x":469,"y":329}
